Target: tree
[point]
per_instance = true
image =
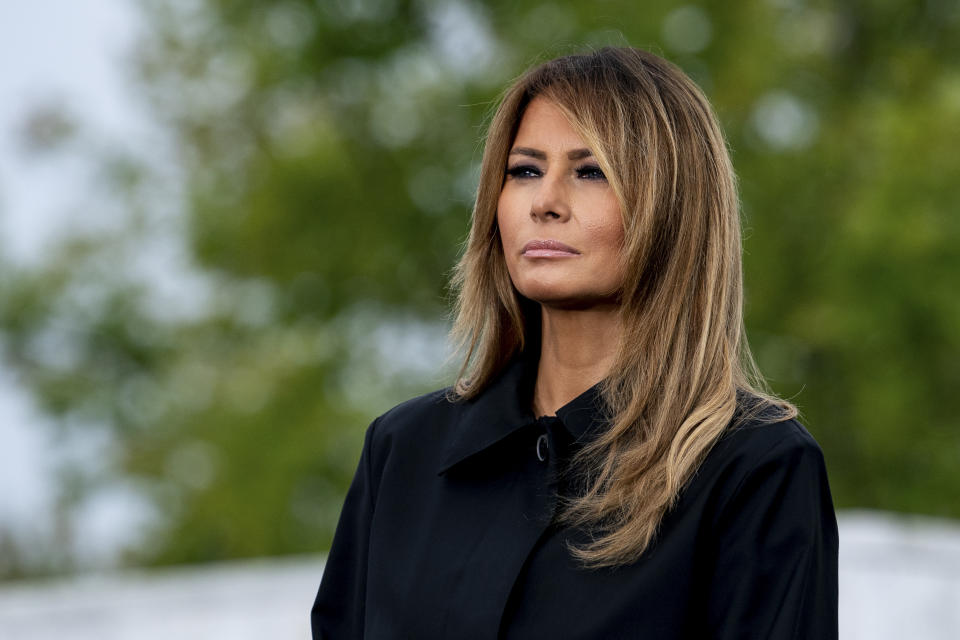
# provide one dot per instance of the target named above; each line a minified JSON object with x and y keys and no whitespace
{"x":326,"y":156}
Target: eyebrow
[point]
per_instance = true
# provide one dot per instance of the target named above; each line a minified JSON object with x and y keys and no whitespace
{"x":576,"y":154}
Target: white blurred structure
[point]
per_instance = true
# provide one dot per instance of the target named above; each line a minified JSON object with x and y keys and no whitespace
{"x":899,"y":578}
{"x":243,"y":600}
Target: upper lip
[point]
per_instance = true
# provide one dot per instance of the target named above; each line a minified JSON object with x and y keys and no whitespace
{"x":548,"y":245}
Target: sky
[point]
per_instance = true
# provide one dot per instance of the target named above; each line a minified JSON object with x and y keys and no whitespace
{"x":58,"y":56}
{"x":74,"y":58}
{"x":65,"y":54}
{"x":69,"y":56}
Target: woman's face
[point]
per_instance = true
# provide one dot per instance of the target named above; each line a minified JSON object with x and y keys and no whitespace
{"x":559,"y":219}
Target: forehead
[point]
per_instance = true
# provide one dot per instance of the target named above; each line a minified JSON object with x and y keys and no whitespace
{"x":545,"y":126}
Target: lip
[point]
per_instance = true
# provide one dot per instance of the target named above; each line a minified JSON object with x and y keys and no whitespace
{"x":548,"y":249}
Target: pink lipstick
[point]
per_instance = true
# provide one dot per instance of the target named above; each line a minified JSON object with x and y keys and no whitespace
{"x":548,"y":249}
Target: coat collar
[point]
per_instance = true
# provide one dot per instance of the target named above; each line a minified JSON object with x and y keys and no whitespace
{"x":504,"y":407}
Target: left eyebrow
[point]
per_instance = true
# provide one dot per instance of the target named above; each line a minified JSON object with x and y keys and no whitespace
{"x":576,"y":154}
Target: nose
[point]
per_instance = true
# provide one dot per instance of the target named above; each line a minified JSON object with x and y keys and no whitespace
{"x":550,"y":202}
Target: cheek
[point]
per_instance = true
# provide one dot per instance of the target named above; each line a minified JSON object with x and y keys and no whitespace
{"x":614,"y":222}
{"x":506,"y":236}
{"x":603,"y":232}
{"x":505,"y":222}
{"x":606,"y":232}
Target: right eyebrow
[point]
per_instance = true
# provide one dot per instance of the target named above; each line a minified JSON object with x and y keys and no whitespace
{"x":527,"y":151}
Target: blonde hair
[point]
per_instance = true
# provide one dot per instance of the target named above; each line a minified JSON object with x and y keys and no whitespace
{"x":683,"y":371}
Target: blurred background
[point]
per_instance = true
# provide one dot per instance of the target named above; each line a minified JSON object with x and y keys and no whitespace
{"x":226,"y":228}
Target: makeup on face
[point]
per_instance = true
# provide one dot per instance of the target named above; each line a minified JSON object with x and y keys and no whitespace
{"x":559,"y":219}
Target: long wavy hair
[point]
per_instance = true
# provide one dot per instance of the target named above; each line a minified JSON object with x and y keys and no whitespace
{"x":683,"y":372}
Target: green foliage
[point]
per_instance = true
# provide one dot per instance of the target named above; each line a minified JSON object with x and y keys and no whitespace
{"x":328,"y":155}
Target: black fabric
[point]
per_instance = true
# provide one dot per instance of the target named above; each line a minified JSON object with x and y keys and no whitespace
{"x":446,"y":533}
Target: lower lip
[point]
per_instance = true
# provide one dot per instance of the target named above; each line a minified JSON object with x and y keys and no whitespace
{"x":549,"y":253}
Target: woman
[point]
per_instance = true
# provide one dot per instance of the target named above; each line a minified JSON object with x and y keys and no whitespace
{"x":606,"y":465}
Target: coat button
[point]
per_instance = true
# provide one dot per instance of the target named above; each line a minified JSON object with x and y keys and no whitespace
{"x":543,"y":448}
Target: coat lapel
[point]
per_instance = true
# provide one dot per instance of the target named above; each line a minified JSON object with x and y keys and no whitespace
{"x":496,"y":498}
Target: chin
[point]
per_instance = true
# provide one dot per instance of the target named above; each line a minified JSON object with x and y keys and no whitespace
{"x":565,"y":298}
{"x":545,"y":292}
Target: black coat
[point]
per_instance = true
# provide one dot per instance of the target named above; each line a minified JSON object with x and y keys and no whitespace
{"x":446,"y":533}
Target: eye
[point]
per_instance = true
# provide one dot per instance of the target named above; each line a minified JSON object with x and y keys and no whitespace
{"x":591,"y":172}
{"x":523,"y":171}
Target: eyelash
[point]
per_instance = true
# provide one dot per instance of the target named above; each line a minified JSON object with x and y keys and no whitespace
{"x":525,"y":171}
{"x":591,"y":172}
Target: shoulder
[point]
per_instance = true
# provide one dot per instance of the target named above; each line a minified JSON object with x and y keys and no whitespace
{"x":414,"y":431}
{"x":756,"y":441}
{"x":770,"y":448}
{"x":411,"y":417}
{"x":770,"y":532}
{"x":762,"y":462}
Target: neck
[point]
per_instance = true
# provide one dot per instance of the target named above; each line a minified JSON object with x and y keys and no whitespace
{"x":577,"y":349}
